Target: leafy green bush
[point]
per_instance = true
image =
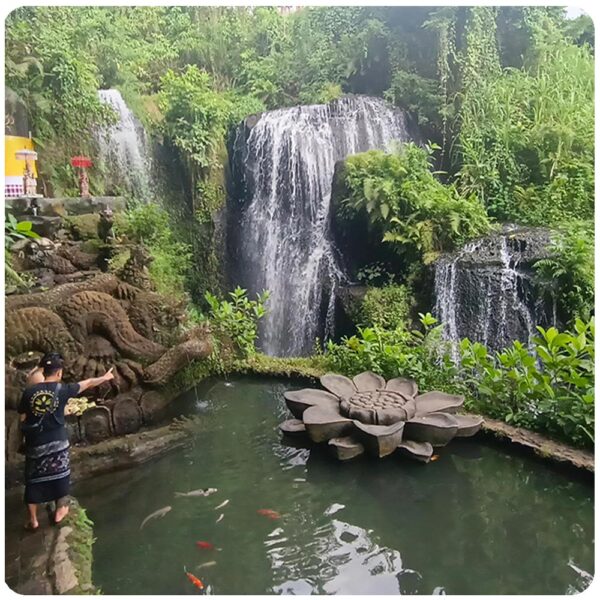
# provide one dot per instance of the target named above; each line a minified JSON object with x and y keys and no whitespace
{"x":396,"y":353}
{"x":417,"y":94}
{"x":144,"y":222}
{"x":150,"y":224}
{"x":387,"y":307}
{"x":374,"y":274}
{"x":549,"y":389}
{"x":197,"y":116}
{"x":568,"y":273}
{"x":412,"y":208}
{"x":17,"y":230}
{"x":13,"y":231}
{"x":237,"y":319}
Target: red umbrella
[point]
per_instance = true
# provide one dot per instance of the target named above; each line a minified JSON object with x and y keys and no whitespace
{"x":81,"y":161}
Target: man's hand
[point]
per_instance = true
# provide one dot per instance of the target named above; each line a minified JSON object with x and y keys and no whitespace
{"x":109,"y":375}
{"x":86,"y":384}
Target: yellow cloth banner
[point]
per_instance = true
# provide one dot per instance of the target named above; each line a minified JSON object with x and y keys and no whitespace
{"x":14,"y":167}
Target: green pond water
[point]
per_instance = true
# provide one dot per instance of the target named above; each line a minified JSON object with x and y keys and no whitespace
{"x":480,"y":520}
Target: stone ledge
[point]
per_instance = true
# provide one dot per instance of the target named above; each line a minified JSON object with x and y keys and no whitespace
{"x":52,"y":207}
{"x":117,"y":453}
{"x":540,"y":445}
{"x":129,"y":450}
{"x":54,"y":559}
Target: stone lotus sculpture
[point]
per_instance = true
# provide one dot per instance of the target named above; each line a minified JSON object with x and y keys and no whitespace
{"x":367,"y":413}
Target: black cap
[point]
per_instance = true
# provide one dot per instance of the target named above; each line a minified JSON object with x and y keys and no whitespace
{"x":52,"y":361}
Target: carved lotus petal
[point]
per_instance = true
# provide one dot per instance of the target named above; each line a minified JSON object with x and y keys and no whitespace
{"x":436,"y":428}
{"x":323,"y":423}
{"x":468,"y":425}
{"x":407,"y":387}
{"x":368,"y":381}
{"x":379,"y":440}
{"x":339,"y":385}
{"x":293,"y":427}
{"x":389,"y":416}
{"x":346,"y":447}
{"x":437,"y":402}
{"x":344,"y":406}
{"x":418,"y":450}
{"x":298,"y":401}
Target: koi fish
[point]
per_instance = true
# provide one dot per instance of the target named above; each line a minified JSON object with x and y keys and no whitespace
{"x":194,"y":579}
{"x":434,"y":457}
{"x":222,"y":505}
{"x":161,"y":512}
{"x":269,"y":513}
{"x":205,"y":545}
{"x":220,"y":518}
{"x":210,"y":563}
{"x":196,"y":493}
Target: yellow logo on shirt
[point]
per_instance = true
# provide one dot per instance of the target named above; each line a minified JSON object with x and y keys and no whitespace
{"x":43,"y":403}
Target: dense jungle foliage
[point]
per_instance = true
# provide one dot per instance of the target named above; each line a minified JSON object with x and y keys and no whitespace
{"x":503,"y":97}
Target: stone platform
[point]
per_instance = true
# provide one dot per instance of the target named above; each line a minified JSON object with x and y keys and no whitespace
{"x":55,"y":559}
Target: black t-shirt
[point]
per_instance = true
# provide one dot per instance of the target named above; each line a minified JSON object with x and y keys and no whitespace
{"x":42,"y":402}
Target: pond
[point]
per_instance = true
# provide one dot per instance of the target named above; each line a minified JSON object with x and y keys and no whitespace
{"x":480,"y":520}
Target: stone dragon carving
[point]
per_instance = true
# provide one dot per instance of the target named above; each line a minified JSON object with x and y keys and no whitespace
{"x":101,"y":322}
{"x":96,"y":312}
{"x":38,"y":329}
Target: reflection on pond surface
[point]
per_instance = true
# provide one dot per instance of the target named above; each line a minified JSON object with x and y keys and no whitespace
{"x":478,"y":520}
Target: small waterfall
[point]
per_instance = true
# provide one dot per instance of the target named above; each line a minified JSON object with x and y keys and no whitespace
{"x":124,"y":149}
{"x":486,"y":292}
{"x":283,"y":165}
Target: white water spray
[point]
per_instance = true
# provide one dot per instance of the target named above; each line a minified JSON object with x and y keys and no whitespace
{"x":484,"y":293}
{"x":123,"y":148}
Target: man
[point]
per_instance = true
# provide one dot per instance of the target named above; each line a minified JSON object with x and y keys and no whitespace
{"x":42,"y":413}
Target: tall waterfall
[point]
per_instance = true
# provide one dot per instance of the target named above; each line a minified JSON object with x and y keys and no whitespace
{"x":283,"y":166}
{"x":124,"y":149}
{"x":486,"y":291}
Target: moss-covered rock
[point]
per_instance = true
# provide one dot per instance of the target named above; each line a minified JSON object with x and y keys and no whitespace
{"x":83,"y":227}
{"x":311,"y":366}
{"x":71,"y":559}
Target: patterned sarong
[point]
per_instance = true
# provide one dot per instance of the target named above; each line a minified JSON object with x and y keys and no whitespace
{"x":47,"y":471}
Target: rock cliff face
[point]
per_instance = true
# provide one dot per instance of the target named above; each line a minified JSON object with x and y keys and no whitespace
{"x":96,"y":320}
{"x":486,"y":291}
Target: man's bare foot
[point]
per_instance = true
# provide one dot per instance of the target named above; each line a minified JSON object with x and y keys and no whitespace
{"x":32,"y":525}
{"x":61,"y":513}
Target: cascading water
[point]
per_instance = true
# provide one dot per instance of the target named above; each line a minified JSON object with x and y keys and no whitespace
{"x":283,"y":166}
{"x":486,"y":292}
{"x":123,"y":148}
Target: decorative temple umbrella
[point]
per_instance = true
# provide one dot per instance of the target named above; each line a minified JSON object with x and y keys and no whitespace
{"x":29,"y":181}
{"x":82,"y":162}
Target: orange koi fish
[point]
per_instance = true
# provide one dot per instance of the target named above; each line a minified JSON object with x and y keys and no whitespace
{"x":434,"y":457}
{"x":194,"y":579}
{"x":205,"y":545}
{"x":269,"y":513}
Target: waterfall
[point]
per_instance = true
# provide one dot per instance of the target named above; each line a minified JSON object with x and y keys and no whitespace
{"x":486,"y":291}
{"x":123,"y":149}
{"x":284,"y":161}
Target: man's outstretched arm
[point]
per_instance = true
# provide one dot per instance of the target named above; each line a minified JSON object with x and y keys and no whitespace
{"x":87,"y":384}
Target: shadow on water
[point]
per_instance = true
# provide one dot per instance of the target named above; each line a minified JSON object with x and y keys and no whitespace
{"x":478,"y":520}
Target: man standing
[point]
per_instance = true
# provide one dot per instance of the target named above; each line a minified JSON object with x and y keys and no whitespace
{"x":42,"y":413}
